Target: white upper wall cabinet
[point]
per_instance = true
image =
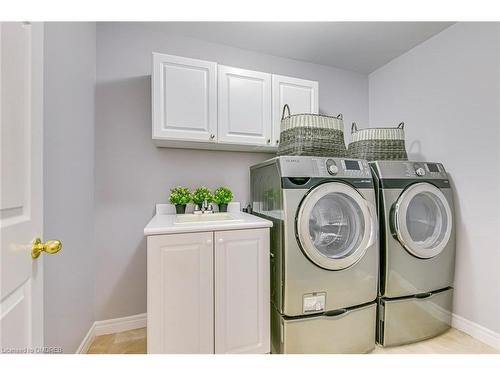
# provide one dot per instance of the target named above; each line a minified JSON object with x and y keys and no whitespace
{"x":184,"y":97}
{"x":301,"y":96}
{"x":244,"y":115}
{"x":202,"y":105}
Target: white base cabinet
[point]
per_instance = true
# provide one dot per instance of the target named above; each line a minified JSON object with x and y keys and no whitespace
{"x":209,"y":292}
{"x":180,"y":293}
{"x":242,"y":299}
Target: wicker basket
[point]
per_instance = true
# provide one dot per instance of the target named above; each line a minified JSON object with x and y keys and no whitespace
{"x":378,"y":143}
{"x":311,"y":135}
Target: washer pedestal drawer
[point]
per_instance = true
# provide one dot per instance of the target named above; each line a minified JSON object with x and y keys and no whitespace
{"x":352,"y":331}
{"x":406,"y":320}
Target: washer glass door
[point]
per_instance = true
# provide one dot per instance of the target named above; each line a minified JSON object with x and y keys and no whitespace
{"x":335,"y":226}
{"x":423,"y":220}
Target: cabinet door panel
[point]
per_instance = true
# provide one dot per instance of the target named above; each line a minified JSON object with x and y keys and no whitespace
{"x":301,"y":96}
{"x":244,"y":106}
{"x":184,"y":95}
{"x":180,"y":293}
{"x":242,"y":301}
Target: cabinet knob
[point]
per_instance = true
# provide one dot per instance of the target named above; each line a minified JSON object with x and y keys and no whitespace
{"x":221,"y":240}
{"x":212,"y":136}
{"x":209,"y":242}
{"x":277,"y":141}
{"x":268,"y":141}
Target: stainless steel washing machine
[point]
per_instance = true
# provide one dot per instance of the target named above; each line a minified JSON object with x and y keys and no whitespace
{"x":417,"y":264}
{"x":324,"y":252}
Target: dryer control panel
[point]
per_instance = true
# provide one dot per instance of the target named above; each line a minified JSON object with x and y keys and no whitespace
{"x":311,"y":166}
{"x":409,"y":169}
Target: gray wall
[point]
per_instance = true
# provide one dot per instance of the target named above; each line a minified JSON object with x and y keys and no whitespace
{"x":447,"y":92}
{"x":69,"y":276}
{"x":132,"y":174}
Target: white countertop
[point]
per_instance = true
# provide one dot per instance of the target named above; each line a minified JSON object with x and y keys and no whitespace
{"x":165,"y":224}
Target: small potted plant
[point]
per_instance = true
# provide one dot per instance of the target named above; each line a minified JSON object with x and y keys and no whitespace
{"x":180,"y":196}
{"x":200,"y":195}
{"x":271,"y":197}
{"x":222,"y":196}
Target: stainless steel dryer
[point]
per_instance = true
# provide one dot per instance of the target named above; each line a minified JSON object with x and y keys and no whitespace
{"x":417,"y":262}
{"x":324,"y":251}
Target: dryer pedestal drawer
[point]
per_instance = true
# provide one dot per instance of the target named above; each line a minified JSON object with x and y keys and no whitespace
{"x":350,"y":332}
{"x":406,"y":320}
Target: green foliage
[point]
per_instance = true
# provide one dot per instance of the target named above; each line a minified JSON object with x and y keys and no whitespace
{"x":271,"y":194}
{"x":180,"y":195}
{"x":222,"y":195}
{"x":201,"y":194}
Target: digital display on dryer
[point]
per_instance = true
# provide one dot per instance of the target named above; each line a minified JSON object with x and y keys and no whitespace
{"x":432,"y":167}
{"x":352,"y":165}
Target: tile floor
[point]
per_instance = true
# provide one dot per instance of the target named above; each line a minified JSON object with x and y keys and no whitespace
{"x":127,"y":342}
{"x":451,"y":342}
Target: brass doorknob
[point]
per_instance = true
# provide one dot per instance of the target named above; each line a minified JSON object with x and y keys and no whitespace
{"x":50,"y":247}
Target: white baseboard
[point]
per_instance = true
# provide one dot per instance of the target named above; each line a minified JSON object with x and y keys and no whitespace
{"x":87,"y":340}
{"x":106,"y":327}
{"x":477,"y":331}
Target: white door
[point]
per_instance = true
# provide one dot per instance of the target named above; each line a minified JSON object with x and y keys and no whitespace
{"x":21,"y":205}
{"x":335,"y":226}
{"x":184,"y":97}
{"x":244,"y":106}
{"x":180,"y":294}
{"x":301,"y":95}
{"x":242,"y":299}
{"x":423,"y":220}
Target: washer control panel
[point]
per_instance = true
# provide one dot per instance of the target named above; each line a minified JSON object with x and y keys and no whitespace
{"x":312,"y":166}
{"x":350,"y":168}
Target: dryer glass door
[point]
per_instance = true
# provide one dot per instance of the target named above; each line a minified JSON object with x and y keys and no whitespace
{"x":423,"y":220}
{"x":335,"y":226}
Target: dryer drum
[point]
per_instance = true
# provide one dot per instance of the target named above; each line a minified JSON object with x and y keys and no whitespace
{"x":423,"y":220}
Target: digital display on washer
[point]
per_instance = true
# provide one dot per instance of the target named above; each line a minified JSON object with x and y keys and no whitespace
{"x":352,"y":165}
{"x":432,"y":167}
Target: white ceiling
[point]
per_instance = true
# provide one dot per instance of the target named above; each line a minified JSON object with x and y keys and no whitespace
{"x":359,"y":46}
